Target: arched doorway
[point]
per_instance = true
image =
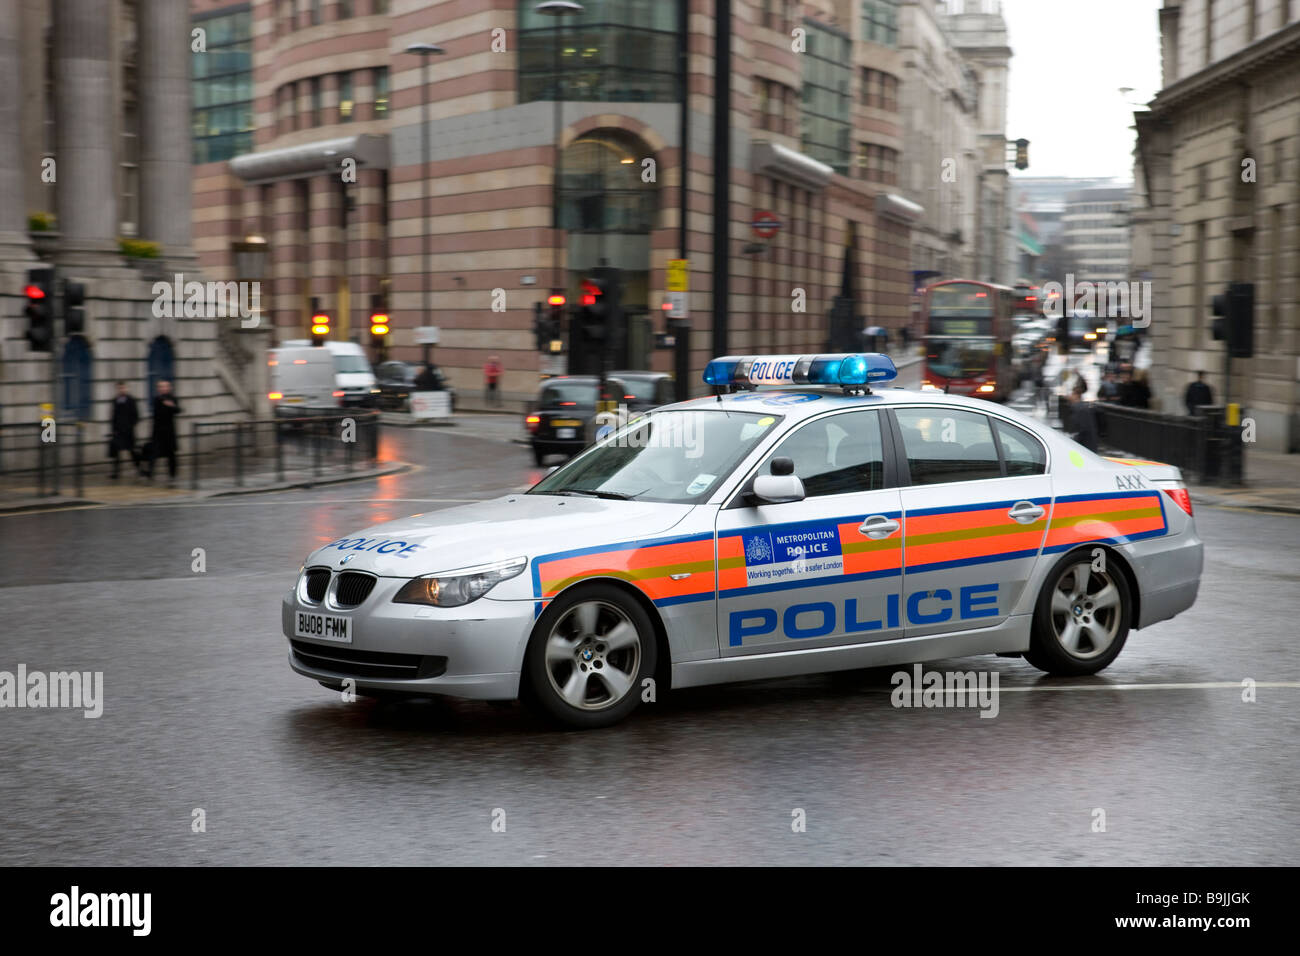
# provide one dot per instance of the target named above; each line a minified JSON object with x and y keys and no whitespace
{"x":161,"y":365}
{"x":608,"y":212}
{"x":76,"y":373}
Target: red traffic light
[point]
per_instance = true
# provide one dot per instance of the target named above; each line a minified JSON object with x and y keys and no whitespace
{"x":33,"y":292}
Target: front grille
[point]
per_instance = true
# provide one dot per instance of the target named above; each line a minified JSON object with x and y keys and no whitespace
{"x":353,"y":588}
{"x":374,"y":664}
{"x":318,"y":579}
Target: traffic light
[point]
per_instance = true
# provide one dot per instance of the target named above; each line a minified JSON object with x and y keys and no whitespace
{"x":39,"y":291}
{"x":551,"y":334}
{"x":1022,"y":154}
{"x":320,"y":323}
{"x":74,"y":316}
{"x":1236,"y":323}
{"x":378,"y":323}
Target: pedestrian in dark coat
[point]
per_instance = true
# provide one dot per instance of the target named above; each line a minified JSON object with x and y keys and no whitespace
{"x":1197,"y":394}
{"x":165,"y":410}
{"x":125,"y":417}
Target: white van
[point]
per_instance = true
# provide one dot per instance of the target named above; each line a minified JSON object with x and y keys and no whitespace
{"x":352,"y":373}
{"x":302,"y":380}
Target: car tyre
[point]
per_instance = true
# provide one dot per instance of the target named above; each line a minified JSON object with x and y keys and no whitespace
{"x":589,"y":653}
{"x":539,"y":456}
{"x":1082,"y":617}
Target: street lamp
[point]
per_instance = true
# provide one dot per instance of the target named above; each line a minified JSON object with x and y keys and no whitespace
{"x":426,"y":50}
{"x":558,"y":9}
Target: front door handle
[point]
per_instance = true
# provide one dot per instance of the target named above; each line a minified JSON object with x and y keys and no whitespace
{"x":1026,"y":512}
{"x":878,"y":526}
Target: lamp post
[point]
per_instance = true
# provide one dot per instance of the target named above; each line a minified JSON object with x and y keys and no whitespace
{"x":426,"y":50}
{"x":558,"y":9}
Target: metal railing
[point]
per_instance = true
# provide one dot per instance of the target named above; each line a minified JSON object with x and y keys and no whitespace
{"x":45,"y":459}
{"x":1203,"y":446}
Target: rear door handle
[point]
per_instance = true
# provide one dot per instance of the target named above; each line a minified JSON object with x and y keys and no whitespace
{"x":878,"y":526}
{"x":1026,"y":512}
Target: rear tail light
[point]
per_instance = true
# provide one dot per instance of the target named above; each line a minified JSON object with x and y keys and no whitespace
{"x":275,"y":396}
{"x":1181,"y":497}
{"x":532,"y":421}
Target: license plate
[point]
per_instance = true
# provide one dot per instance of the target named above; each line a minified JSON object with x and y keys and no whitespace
{"x":565,"y":423}
{"x":323,"y":627}
{"x":564,"y":433}
{"x":293,"y":400}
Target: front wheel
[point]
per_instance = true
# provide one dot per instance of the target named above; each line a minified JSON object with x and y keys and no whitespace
{"x":588,"y":656}
{"x":1082,"y":618}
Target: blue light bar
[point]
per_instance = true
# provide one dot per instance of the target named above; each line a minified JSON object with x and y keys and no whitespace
{"x":846,"y":369}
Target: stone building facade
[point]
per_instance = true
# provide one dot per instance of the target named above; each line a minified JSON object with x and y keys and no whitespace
{"x":1217,"y":200}
{"x":94,"y":149}
{"x":815,"y":139}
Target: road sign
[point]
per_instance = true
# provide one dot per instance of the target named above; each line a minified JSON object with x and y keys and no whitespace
{"x":677,"y":272}
{"x":430,"y":404}
{"x":426,"y":335}
{"x":765,"y":224}
{"x":677,"y":305}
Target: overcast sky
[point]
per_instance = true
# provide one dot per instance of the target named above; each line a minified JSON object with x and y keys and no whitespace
{"x":1069,"y":59}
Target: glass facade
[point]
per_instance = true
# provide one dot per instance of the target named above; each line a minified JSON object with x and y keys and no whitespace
{"x":827,"y":98}
{"x":602,"y":189}
{"x":223,"y":86}
{"x":614,"y":51}
{"x":880,"y":21}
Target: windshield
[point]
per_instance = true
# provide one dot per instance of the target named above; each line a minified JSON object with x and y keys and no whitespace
{"x":958,"y":358}
{"x":642,"y":389}
{"x":564,"y":394}
{"x":679,"y":456}
{"x":351,"y":363}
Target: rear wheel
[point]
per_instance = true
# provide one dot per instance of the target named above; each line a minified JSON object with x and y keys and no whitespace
{"x":539,"y":456}
{"x":1082,"y":618}
{"x":588,"y":656}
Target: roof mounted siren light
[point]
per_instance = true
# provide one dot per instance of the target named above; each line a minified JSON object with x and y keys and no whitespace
{"x":854,"y":373}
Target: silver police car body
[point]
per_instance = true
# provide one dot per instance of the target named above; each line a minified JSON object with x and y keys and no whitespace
{"x":755,"y":534}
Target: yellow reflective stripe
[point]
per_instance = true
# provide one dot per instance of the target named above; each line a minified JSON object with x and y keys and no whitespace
{"x":1068,"y":521}
{"x":967,"y":534}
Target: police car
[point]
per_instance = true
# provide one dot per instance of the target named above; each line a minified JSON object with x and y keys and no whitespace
{"x":804,"y":518}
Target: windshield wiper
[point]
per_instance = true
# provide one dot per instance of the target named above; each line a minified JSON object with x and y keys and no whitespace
{"x":584,"y":493}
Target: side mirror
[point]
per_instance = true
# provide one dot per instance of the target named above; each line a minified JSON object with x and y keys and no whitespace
{"x":781,"y":486}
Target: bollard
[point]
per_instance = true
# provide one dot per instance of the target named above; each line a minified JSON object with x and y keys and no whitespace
{"x":77,"y":453}
{"x":279,"y":451}
{"x":239,"y":456}
{"x":194,"y":457}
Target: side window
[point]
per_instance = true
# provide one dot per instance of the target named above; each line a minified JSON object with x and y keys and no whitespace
{"x":835,"y":455}
{"x":948,"y":444}
{"x":1022,"y":452}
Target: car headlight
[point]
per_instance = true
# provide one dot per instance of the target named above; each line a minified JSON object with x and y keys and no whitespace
{"x":454,"y":588}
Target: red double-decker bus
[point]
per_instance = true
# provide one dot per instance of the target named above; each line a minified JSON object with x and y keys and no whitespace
{"x":967,"y":328}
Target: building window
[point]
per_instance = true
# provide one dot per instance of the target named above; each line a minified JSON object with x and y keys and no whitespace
{"x":381,"y":90}
{"x":880,"y":21}
{"x":378,"y":6}
{"x":761,"y":104}
{"x":222,"y":88}
{"x":315,"y":13}
{"x":345,"y":97}
{"x":315,"y":101}
{"x":345,"y":9}
{"x":616,"y":50}
{"x":826,"y":99}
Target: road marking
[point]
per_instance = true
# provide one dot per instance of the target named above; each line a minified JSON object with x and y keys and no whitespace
{"x":1202,"y":685}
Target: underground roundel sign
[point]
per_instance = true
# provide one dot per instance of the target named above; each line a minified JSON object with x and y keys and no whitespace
{"x":765,"y":224}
